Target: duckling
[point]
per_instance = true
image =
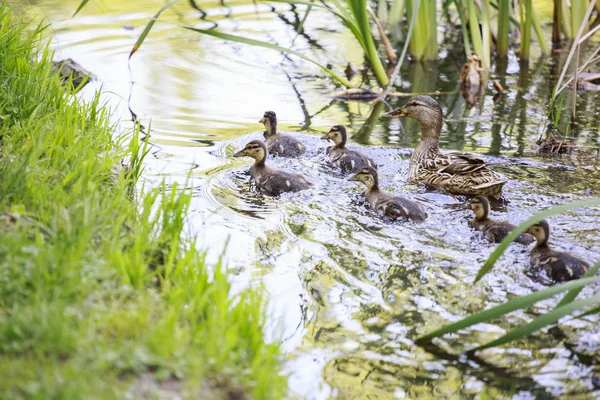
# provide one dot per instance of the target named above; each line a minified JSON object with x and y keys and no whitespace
{"x":277,"y":143}
{"x":457,"y":173}
{"x":559,"y":266}
{"x":391,"y":206}
{"x":349,"y":161}
{"x":270,"y":181}
{"x":494,"y":231}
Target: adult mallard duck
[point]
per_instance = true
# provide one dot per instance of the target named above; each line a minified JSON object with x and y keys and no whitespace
{"x":349,"y":161}
{"x":494,"y":231}
{"x":279,"y":144}
{"x":458,"y":173}
{"x":559,"y":266}
{"x":270,"y":181}
{"x":391,"y":206}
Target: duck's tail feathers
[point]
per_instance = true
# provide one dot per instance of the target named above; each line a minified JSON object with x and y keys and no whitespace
{"x":490,"y":184}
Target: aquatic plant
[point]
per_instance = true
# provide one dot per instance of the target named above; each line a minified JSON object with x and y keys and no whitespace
{"x":423,"y":42}
{"x":567,"y":305}
{"x":578,"y":41}
{"x":101,"y":294}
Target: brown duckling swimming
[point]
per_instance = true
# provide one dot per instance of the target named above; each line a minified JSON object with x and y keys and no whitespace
{"x":458,"y":173}
{"x":270,"y":181}
{"x":559,"y":266}
{"x":349,"y":161}
{"x":494,"y":231}
{"x":279,"y":144}
{"x":391,"y":206}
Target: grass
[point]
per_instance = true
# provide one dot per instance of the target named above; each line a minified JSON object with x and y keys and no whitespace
{"x":101,"y":296}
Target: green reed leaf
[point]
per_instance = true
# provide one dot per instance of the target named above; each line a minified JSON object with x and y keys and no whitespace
{"x":148,"y":27}
{"x":540,"y":322}
{"x":253,"y":42}
{"x":81,"y":5}
{"x":595,"y":310}
{"x":519,"y":229}
{"x":510,"y":306}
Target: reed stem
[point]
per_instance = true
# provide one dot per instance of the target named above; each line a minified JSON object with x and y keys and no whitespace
{"x":539,"y":33}
{"x":486,"y":35}
{"x":503,"y":21}
{"x":526,"y":22}
{"x":474,"y":28}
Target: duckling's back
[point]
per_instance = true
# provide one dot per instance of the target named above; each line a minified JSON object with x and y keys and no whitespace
{"x":274,"y":182}
{"x":396,"y":207}
{"x":285,"y":146}
{"x":559,"y":266}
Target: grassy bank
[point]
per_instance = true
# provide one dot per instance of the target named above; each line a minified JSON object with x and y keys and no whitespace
{"x":100,"y":296}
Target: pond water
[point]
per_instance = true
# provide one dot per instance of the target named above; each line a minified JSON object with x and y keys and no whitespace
{"x":349,"y":292}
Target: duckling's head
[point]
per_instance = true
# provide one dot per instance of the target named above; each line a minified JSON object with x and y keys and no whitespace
{"x":368,"y":177}
{"x":481,"y":207}
{"x":540,"y":231}
{"x":269,"y":120}
{"x":255,"y":149}
{"x":337,"y":134}
{"x":422,"y":108}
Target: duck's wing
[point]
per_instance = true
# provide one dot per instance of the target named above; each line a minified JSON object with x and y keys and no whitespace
{"x":455,"y":163}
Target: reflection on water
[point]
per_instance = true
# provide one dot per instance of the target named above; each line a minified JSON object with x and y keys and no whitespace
{"x":349,"y":292}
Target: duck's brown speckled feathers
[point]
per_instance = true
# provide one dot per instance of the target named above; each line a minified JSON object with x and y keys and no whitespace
{"x":349,"y":161}
{"x":270,"y":181}
{"x":458,"y":173}
{"x":494,"y":231}
{"x":279,"y":144}
{"x":395,"y":207}
{"x":559,"y":266}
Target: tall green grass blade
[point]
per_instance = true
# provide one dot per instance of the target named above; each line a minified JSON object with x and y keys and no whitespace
{"x":306,"y":13}
{"x":432,"y":45}
{"x":253,"y":42}
{"x":474,"y":28}
{"x":396,"y":71}
{"x":540,"y":322}
{"x":486,"y":35}
{"x":526,"y":22}
{"x":565,"y":19}
{"x":535,"y":218}
{"x":510,"y":16}
{"x":537,"y":28}
{"x":148,"y":27}
{"x":361,"y":16}
{"x":382,"y":11}
{"x":503,"y":22}
{"x":510,"y":306}
{"x":595,"y":310}
{"x":81,"y":5}
{"x":569,"y":297}
{"x":578,"y":8}
{"x":397,"y":11}
{"x":423,"y":42}
{"x":463,"y":22}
